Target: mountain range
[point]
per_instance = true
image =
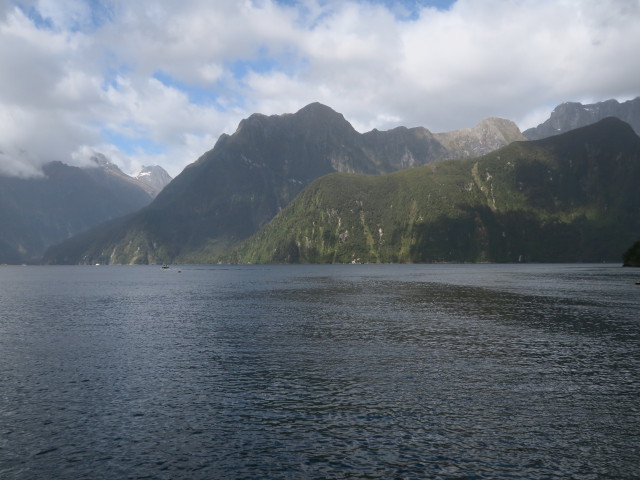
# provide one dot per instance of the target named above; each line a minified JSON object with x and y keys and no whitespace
{"x":248,"y":177}
{"x":41,"y":211}
{"x":568,"y":198}
{"x":570,"y":115}
{"x":235,"y":190}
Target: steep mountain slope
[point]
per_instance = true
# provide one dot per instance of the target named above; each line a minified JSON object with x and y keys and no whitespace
{"x":570,"y":115}
{"x":36,"y":213}
{"x":572,"y":197}
{"x":246,"y":179}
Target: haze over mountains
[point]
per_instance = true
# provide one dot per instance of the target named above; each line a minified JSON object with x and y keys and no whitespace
{"x":38,"y":212}
{"x":235,"y":189}
{"x":248,"y":177}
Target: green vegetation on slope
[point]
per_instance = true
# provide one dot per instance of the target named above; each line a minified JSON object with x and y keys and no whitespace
{"x":235,"y":189}
{"x":567,"y":199}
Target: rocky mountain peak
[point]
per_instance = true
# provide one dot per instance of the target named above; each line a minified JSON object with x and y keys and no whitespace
{"x":320,"y":120}
{"x":154,"y":177}
{"x":151,"y":179}
{"x":486,"y":136}
{"x":101,"y":161}
{"x":319,"y":112}
{"x":571,"y":115}
{"x":314,"y":118}
{"x":249,"y":177}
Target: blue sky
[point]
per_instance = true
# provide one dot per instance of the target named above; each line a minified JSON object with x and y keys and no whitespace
{"x":156,"y":82}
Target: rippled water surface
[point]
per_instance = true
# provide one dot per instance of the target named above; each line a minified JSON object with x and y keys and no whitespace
{"x":408,"y":371}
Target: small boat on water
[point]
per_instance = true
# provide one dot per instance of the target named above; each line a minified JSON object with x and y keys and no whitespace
{"x":165,"y":266}
{"x":638,"y":282}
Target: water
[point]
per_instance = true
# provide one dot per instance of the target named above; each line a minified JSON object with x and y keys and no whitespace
{"x":408,"y":371}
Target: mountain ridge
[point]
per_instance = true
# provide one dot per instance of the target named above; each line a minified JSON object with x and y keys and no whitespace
{"x":38,"y":212}
{"x":571,"y":197}
{"x":248,"y":177}
{"x":571,"y":115}
{"x":488,"y":135}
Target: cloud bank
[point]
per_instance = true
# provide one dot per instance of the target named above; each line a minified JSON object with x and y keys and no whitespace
{"x":157,"y":82}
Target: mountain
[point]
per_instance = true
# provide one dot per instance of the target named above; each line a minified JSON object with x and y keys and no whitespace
{"x":489,"y":135}
{"x":571,"y":115}
{"x":248,"y":177}
{"x":568,"y":198}
{"x":39,"y":212}
{"x":153,"y":178}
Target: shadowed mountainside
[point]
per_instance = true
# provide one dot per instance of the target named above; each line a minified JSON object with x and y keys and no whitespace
{"x":39,"y":212}
{"x":570,"y":115}
{"x":568,"y":198}
{"x":248,"y":177}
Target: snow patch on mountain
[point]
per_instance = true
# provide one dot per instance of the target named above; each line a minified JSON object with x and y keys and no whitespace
{"x":154,"y":177}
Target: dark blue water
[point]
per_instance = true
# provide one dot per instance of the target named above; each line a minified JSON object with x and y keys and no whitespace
{"x":414,"y":371}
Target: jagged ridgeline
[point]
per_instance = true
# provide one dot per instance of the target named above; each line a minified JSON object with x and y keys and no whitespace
{"x":248,"y":177}
{"x":570,"y":115}
{"x":568,"y":198}
{"x":38,"y":212}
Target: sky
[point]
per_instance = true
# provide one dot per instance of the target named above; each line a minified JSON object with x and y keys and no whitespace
{"x":157,"y":81}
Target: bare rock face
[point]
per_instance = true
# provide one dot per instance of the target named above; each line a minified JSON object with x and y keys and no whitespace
{"x":568,"y":198}
{"x":154,"y":178}
{"x":248,"y":177}
{"x":489,"y":135}
{"x":571,"y":115}
{"x":151,"y":179}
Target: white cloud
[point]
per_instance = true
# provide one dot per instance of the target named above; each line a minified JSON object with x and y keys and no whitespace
{"x":157,"y":82}
{"x":65,"y":14}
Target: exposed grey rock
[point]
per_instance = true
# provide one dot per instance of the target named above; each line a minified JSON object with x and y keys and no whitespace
{"x":489,"y":135}
{"x":248,"y":177}
{"x":153,"y":178}
{"x":570,"y":115}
